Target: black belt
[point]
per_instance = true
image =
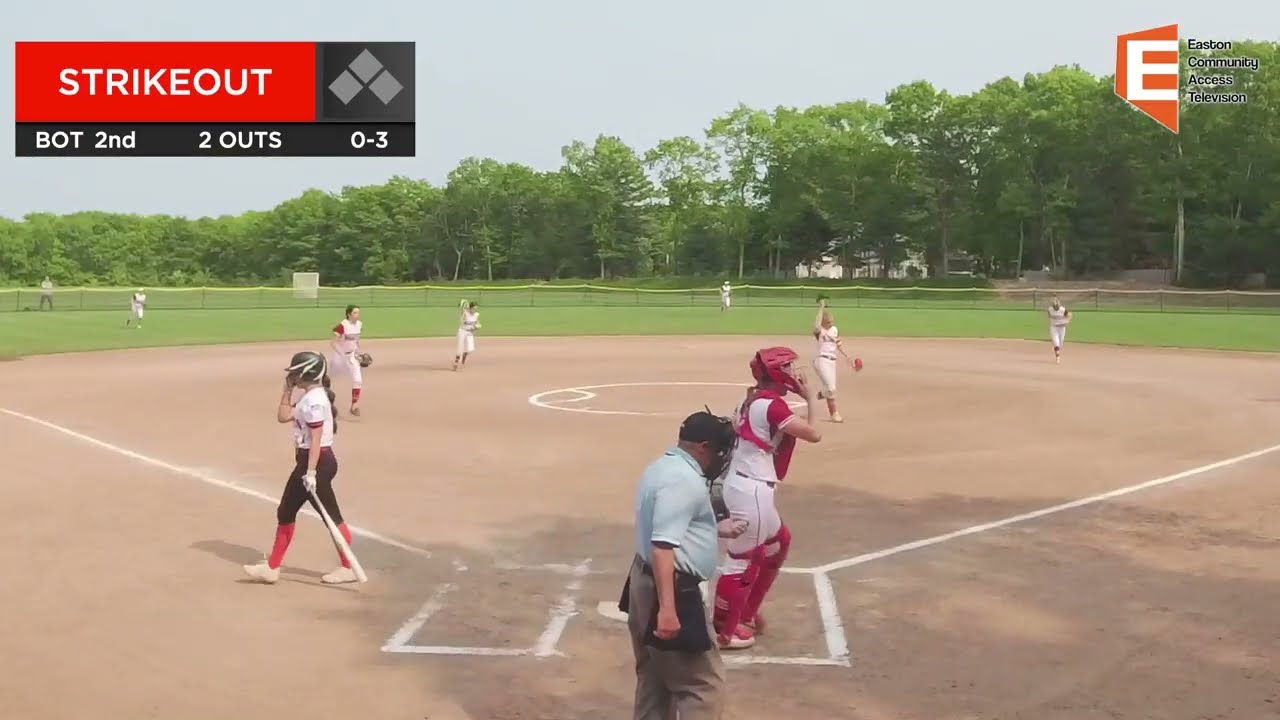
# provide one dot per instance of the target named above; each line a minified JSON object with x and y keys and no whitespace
{"x":741,"y":474}
{"x":828,"y":357}
{"x":682,"y":577}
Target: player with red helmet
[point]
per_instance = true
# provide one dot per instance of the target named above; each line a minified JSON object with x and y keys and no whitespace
{"x":767,"y":434}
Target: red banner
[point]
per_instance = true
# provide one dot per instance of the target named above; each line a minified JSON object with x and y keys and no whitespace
{"x":104,"y":82}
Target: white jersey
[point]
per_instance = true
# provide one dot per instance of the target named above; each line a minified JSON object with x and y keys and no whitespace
{"x":313,"y":410}
{"x":1058,"y":316}
{"x":348,"y":332}
{"x":725,"y":290}
{"x":139,"y":301}
{"x":765,"y":417}
{"x":470,"y":321}
{"x":828,"y":342}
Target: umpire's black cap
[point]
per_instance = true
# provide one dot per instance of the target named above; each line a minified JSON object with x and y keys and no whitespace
{"x":705,"y":426}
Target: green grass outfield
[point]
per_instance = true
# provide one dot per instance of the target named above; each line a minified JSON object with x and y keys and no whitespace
{"x":33,"y":333}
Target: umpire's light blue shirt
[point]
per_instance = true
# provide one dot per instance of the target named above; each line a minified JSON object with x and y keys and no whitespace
{"x":673,"y":505}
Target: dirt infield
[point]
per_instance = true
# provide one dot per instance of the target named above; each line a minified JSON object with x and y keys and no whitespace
{"x":138,"y":482}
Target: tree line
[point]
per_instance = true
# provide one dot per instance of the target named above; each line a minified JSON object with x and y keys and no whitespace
{"x":1054,"y":170}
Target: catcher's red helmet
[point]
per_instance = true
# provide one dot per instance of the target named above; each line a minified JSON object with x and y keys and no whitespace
{"x":773,"y":366}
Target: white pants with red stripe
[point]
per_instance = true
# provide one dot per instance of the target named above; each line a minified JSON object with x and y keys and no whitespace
{"x":750,"y":500}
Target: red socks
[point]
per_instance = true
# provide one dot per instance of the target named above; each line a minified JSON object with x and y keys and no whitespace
{"x":284,"y":536}
{"x":346,"y":535}
{"x":355,"y":395}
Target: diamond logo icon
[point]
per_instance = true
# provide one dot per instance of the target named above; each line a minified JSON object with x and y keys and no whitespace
{"x":358,"y":76}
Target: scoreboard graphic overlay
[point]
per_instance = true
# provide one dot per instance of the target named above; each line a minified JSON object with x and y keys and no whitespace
{"x":191,"y":99}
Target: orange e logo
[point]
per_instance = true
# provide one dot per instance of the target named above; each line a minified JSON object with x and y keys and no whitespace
{"x":1147,"y":73}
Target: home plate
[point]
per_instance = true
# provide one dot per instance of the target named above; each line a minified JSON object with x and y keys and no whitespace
{"x":609,"y":609}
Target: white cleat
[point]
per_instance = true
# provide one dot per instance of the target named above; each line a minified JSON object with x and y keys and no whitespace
{"x":836,"y":418}
{"x":262,"y":572}
{"x":339,"y":577}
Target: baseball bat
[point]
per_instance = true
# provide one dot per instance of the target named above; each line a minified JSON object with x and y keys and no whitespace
{"x":340,"y":541}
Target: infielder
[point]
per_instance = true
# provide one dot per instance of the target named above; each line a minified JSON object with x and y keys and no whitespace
{"x":726,"y":296}
{"x":1059,"y":319}
{"x":347,"y":357}
{"x":468,"y":324}
{"x":315,"y":466}
{"x":824,"y":364}
{"x":767,"y":434}
{"x":137,"y":306}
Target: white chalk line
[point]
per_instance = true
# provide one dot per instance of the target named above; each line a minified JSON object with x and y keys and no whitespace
{"x":204,"y":478}
{"x":1043,"y":512}
{"x":583,"y":393}
{"x":832,"y":623}
{"x":545,"y":646}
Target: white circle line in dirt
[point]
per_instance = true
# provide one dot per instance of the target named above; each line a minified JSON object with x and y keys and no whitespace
{"x":583,"y":393}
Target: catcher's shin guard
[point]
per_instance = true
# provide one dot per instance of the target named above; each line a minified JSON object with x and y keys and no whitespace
{"x":733,"y":593}
{"x":771,"y":565}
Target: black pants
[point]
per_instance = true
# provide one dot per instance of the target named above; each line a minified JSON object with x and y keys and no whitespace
{"x":296,"y":495}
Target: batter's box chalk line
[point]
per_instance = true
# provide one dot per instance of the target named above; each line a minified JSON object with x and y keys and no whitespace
{"x":545,"y":646}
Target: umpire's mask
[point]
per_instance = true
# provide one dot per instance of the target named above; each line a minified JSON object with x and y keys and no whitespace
{"x":717,"y":434}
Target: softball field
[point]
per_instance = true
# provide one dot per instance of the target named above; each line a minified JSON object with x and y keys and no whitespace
{"x":989,"y":535}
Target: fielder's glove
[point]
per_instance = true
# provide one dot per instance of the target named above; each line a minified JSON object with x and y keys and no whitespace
{"x":365,"y":359}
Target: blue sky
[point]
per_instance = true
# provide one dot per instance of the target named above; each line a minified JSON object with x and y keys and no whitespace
{"x":518,"y":80}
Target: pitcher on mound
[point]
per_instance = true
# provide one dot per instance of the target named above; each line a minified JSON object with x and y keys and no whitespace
{"x":767,"y":434}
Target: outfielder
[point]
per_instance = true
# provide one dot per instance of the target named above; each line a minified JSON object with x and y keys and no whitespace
{"x":315,"y":466}
{"x":726,"y":296}
{"x":825,"y":363}
{"x":767,"y":434}
{"x":137,"y":306}
{"x":468,"y":324}
{"x":347,"y":357}
{"x":1059,"y":319}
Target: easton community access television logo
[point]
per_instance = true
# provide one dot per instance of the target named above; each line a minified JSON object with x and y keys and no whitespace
{"x":1148,"y":64}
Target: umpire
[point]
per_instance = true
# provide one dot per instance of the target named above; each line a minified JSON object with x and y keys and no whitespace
{"x":678,"y":667}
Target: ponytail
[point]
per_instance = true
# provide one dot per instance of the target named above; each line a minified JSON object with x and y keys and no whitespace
{"x":333,"y":399}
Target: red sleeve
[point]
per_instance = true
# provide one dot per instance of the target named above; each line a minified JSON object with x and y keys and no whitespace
{"x":778,"y":413}
{"x":338,"y":329}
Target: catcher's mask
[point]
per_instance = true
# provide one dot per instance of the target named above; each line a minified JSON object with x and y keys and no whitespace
{"x":717,"y":434}
{"x":773,"y":366}
{"x":306,"y":367}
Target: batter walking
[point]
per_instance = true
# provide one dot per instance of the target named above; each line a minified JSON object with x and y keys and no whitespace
{"x":315,"y":466}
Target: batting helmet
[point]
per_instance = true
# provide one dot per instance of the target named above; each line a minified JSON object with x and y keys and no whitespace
{"x":307,"y":366}
{"x":773,"y":366}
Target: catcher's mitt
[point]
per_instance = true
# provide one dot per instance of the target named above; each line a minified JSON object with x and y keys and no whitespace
{"x":365,"y":359}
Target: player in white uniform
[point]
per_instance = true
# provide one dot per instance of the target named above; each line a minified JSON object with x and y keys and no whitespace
{"x":826,"y":362}
{"x":1059,"y":319}
{"x":468,"y":324}
{"x":315,"y":466}
{"x":346,"y":346}
{"x":767,"y":434}
{"x":137,"y":306}
{"x":726,"y":296}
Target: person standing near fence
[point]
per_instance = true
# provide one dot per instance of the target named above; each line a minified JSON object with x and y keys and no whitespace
{"x":726,"y":296}
{"x":137,"y":308}
{"x":1059,"y":319}
{"x":46,"y":293}
{"x":679,"y":672}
